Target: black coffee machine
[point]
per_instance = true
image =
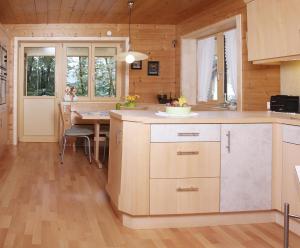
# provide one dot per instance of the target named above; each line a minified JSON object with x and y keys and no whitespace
{"x":284,"y":103}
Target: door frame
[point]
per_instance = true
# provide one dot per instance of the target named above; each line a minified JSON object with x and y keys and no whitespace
{"x":21,"y":90}
{"x":15,"y":49}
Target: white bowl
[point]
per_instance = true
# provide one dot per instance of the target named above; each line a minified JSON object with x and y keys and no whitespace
{"x":178,"y":110}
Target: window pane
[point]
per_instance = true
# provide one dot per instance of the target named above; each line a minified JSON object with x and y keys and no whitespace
{"x":213,"y":86}
{"x":230,"y":80}
{"x":78,"y":69}
{"x":105,"y":72}
{"x":39,"y":71}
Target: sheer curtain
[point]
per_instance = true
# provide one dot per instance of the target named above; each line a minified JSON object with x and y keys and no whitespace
{"x":231,"y":58}
{"x":205,"y":59}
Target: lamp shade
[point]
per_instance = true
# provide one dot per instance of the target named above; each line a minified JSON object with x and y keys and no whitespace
{"x":131,"y":56}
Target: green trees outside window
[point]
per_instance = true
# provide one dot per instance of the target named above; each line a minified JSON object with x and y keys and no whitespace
{"x":86,"y":67}
{"x":105,"y":77}
{"x":40,"y":75}
{"x":78,"y":69}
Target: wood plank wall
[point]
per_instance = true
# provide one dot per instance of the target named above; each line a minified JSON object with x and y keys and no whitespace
{"x":156,"y":40}
{"x":259,"y":81}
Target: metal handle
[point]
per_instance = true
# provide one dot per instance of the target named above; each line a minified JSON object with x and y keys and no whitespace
{"x":228,"y":141}
{"x":187,"y":153}
{"x":189,"y":189}
{"x":188,"y":134}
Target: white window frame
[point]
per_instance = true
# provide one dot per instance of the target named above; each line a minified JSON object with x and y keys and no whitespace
{"x":188,"y":73}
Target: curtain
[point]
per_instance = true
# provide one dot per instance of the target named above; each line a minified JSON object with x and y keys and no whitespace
{"x":205,"y":59}
{"x":231,"y":58}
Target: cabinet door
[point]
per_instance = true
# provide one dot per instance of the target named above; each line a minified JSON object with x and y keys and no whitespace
{"x":115,"y":162}
{"x":273,"y":29}
{"x":290,"y":181}
{"x":246,"y":167}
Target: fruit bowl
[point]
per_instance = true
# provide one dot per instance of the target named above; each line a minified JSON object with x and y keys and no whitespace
{"x":178,"y":110}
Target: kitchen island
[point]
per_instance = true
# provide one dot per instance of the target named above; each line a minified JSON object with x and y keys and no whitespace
{"x":212,"y":169}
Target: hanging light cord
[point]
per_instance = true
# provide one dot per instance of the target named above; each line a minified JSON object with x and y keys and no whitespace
{"x":130,"y":6}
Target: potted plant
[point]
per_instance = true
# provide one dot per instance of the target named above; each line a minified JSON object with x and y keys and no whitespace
{"x":131,"y":101}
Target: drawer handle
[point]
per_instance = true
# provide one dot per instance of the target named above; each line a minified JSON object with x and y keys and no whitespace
{"x":187,"y":153}
{"x":190,"y":189}
{"x":188,"y":134}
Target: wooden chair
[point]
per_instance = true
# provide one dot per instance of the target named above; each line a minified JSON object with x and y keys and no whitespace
{"x":73,"y":131}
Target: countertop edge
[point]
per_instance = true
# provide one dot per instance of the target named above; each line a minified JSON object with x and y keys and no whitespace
{"x":268,"y":117}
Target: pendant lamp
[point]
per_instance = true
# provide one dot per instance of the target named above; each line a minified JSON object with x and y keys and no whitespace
{"x":131,"y":56}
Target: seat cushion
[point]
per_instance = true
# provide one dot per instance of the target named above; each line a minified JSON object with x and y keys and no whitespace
{"x":79,"y":131}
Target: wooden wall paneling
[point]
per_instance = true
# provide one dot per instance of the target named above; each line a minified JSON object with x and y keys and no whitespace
{"x":13,"y":10}
{"x":105,"y":11}
{"x":90,"y":13}
{"x":42,"y":15}
{"x":259,"y":81}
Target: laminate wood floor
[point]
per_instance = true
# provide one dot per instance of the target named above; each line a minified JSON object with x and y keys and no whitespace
{"x":45,"y":204}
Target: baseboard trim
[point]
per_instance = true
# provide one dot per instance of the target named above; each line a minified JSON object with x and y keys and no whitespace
{"x":150,"y":222}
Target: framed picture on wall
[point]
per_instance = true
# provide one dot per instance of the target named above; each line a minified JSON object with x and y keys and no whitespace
{"x":153,"y":68}
{"x":137,"y":65}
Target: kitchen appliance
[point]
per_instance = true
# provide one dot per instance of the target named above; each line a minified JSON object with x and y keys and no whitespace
{"x":3,"y":90}
{"x":3,"y":74}
{"x":3,"y":58}
{"x":285,"y":103}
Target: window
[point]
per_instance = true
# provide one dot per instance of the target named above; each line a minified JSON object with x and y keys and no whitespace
{"x":93,"y":70}
{"x":213,"y":83}
{"x":78,"y":69}
{"x":217,"y":67}
{"x":105,"y":72}
{"x":39,"y":71}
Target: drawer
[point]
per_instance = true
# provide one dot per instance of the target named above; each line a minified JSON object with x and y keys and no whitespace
{"x":187,"y":159}
{"x":291,"y":134}
{"x":184,"y":196}
{"x":185,"y":132}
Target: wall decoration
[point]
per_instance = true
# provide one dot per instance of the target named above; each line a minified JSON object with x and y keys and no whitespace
{"x":137,"y":65}
{"x":153,"y":68}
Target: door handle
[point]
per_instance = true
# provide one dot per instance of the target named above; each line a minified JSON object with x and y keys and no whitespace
{"x":228,"y":147}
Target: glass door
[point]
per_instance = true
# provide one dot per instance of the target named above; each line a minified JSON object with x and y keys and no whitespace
{"x":38,"y":109}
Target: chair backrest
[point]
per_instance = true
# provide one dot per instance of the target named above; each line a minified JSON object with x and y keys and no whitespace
{"x":65,"y":116}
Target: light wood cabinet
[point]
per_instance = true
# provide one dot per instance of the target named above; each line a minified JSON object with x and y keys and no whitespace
{"x":290,"y":158}
{"x":246,"y":167}
{"x":290,"y":181}
{"x":183,"y":160}
{"x":184,"y":196}
{"x":184,"y":168}
{"x":149,"y":174}
{"x":128,"y":169}
{"x":273,"y":29}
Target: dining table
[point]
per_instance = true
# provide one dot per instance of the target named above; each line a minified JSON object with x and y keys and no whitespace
{"x":97,"y":117}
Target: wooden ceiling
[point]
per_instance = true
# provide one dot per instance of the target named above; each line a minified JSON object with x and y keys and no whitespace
{"x":99,"y":11}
